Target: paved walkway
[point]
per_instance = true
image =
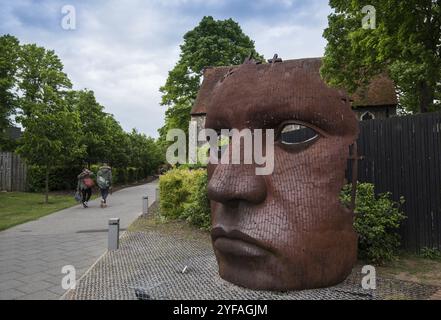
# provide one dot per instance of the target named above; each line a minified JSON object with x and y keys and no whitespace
{"x":33,"y":254}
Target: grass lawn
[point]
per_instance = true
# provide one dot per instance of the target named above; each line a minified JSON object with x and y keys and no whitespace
{"x":172,"y":227}
{"x":19,"y":207}
{"x":410,"y":267}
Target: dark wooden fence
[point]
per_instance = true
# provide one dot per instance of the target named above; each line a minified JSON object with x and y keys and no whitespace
{"x":402,"y":155}
{"x":12,"y":172}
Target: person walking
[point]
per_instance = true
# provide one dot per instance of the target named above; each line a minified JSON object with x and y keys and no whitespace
{"x":104,"y":181}
{"x":84,"y":186}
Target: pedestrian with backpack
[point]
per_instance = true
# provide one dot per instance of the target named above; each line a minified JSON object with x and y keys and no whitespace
{"x":84,"y":186}
{"x":104,"y":181}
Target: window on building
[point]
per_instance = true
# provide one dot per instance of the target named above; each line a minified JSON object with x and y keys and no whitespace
{"x":367,"y":116}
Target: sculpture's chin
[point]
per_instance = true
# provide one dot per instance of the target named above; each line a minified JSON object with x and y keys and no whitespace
{"x":264,"y":279}
{"x":261,"y":277}
{"x":324,"y":267}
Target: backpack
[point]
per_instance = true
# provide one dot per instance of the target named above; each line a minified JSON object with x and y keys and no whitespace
{"x":88,"y":182}
{"x":104,"y":177}
{"x":103,"y":182}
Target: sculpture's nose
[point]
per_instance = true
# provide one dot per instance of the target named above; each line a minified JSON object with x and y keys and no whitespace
{"x":230,"y":183}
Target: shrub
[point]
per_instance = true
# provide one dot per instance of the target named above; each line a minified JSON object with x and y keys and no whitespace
{"x":132,"y":174}
{"x":173,"y":193}
{"x":430,"y":253}
{"x":119,"y":176}
{"x":60,"y":178}
{"x":377,"y":219}
{"x":94,"y":168}
{"x":65,"y":177}
{"x":183,"y":196}
{"x":36,"y":178}
{"x":192,"y":166}
{"x":197,"y":211}
{"x":142,"y":173}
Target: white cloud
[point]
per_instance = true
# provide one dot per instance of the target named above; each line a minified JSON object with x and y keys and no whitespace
{"x":298,"y":35}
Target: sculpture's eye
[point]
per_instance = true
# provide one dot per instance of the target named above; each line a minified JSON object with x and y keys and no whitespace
{"x":294,"y":134}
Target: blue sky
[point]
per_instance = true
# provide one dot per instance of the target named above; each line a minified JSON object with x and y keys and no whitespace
{"x":123,"y":50}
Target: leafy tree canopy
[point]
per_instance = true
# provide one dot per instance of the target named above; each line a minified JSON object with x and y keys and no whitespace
{"x":211,"y":43}
{"x":93,"y":125}
{"x":9,"y":47}
{"x":405,"y":43}
{"x":145,"y":152}
{"x":40,"y":74}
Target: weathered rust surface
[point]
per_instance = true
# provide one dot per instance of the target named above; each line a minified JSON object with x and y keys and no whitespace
{"x":287,"y":230}
{"x":380,"y":92}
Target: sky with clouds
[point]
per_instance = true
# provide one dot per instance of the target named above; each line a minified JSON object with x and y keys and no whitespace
{"x":123,"y":50}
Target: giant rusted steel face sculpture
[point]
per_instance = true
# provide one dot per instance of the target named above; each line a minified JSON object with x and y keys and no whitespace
{"x":287,"y":230}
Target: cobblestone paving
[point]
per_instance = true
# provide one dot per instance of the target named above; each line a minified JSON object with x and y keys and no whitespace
{"x":32,"y":254}
{"x":149,"y":265}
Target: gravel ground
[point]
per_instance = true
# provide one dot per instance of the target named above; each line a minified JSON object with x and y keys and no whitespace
{"x":150,"y":263}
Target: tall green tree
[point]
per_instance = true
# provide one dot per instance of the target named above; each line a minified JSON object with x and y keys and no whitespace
{"x":405,"y":43}
{"x":51,"y":137}
{"x":211,"y":43}
{"x":52,"y":127}
{"x":9,"y":48}
{"x":145,"y":152}
{"x":117,"y":142}
{"x":40,"y":74}
{"x":93,"y":125}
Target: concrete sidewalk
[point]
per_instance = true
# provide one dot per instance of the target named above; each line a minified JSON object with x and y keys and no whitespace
{"x":32,"y":254}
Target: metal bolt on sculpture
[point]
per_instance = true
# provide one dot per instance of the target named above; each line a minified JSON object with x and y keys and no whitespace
{"x":287,"y":230}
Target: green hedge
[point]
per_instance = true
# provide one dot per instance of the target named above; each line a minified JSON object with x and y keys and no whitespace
{"x":65,"y":178}
{"x":60,"y":178}
{"x":184,"y":196}
{"x":197,"y":210}
{"x":119,"y":176}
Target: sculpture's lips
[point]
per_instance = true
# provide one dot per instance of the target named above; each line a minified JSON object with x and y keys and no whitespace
{"x":237,"y":243}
